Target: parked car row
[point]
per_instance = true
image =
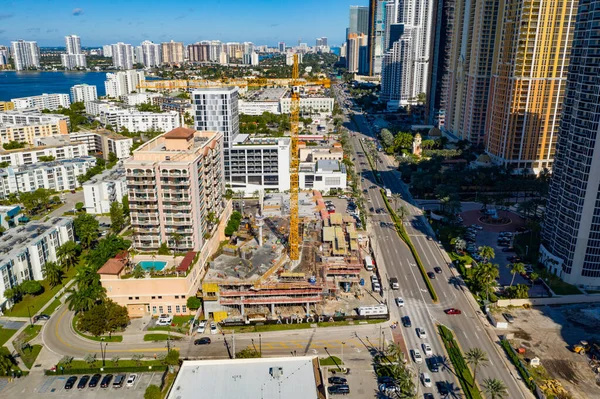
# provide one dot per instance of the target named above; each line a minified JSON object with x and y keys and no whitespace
{"x":105,"y":382}
{"x":339,"y":386}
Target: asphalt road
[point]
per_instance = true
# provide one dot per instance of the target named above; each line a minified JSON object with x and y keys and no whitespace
{"x":394,"y":258}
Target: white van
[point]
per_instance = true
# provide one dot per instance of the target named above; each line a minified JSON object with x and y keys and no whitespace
{"x":368,"y":263}
{"x":426,"y":380}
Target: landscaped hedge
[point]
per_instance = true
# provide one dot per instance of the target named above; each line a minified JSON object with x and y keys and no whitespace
{"x":107,"y":370}
{"x":463,"y":373}
{"x":233,"y":224}
{"x":404,"y":235}
{"x":517,"y":362}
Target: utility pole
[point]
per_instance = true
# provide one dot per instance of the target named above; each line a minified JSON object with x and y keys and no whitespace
{"x":233,"y":342}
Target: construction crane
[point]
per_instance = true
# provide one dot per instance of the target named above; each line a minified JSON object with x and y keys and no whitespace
{"x":295,"y":82}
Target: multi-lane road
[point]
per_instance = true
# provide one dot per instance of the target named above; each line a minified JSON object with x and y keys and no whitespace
{"x":395,"y":260}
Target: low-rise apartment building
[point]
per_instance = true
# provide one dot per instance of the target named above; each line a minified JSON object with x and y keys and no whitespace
{"x":137,"y":121}
{"x":139,"y":98}
{"x":32,"y":118}
{"x":102,"y":190}
{"x":174,"y":182}
{"x":314,"y":154}
{"x":99,"y":141}
{"x":180,"y":105}
{"x":100,"y":107}
{"x":43,"y":101}
{"x":56,"y":175}
{"x":6,"y":106}
{"x":322,"y":175}
{"x":279,"y":101}
{"x":29,"y":156}
{"x":24,"y":250}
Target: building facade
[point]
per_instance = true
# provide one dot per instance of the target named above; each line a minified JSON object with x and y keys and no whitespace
{"x":26,"y":55}
{"x":571,"y":230}
{"x":83,"y":93}
{"x":199,"y":52}
{"x":29,"y":156}
{"x":174,"y":181}
{"x":529,"y":75}
{"x":102,"y":190}
{"x":100,"y":141}
{"x":138,"y":121}
{"x":29,"y":133}
{"x":359,"y":20}
{"x":42,"y":102}
{"x":124,"y":82}
{"x":172,"y":52}
{"x":151,"y":54}
{"x":74,"y":58}
{"x":122,"y":56}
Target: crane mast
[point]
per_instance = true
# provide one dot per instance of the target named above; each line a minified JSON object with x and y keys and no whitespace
{"x":294,"y":245}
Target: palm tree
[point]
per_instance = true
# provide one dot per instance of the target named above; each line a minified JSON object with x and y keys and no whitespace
{"x":514,"y":269}
{"x":534,"y":276}
{"x":86,"y":277}
{"x":80,"y":300}
{"x":395,"y":352}
{"x":487,"y":253}
{"x":495,"y":389}
{"x":476,"y":357}
{"x":53,"y":273}
{"x":68,"y":254}
{"x":484,"y":277}
{"x":176,"y":237}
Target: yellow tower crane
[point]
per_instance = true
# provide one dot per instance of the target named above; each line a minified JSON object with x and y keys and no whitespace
{"x":295,"y":83}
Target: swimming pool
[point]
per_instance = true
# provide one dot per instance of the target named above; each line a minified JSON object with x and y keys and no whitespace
{"x":156,"y":264}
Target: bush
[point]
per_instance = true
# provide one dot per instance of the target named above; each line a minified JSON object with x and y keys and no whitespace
{"x":233,"y":224}
{"x":193,"y":303}
{"x":152,"y":392}
{"x":31,"y":287}
{"x":463,"y":373}
{"x":518,"y":364}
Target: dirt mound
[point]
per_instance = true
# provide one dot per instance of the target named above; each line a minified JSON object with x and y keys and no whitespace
{"x":562,"y":368}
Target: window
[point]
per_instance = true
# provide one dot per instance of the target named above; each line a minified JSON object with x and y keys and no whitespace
{"x":160,"y":309}
{"x":183,"y":297}
{"x":177,"y":309}
{"x":160,"y":297}
{"x":130,"y":298}
{"x":153,"y":297}
{"x":176,"y":296}
{"x":169,"y":309}
{"x":137,"y":297}
{"x":183,"y":309}
{"x":153,"y":309}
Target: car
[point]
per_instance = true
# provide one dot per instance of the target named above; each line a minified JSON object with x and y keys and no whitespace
{"x":508,"y":249}
{"x":421,"y":333}
{"x":376,"y":287}
{"x":433,"y":365}
{"x":371,"y":209}
{"x":509,"y":318}
{"x":442,"y":387}
{"x":385,"y":379}
{"x":452,"y":311}
{"x":437,"y":269}
{"x":131,"y":380}
{"x":339,"y":390}
{"x":426,"y":380}
{"x":106,"y":381}
{"x":202,"y":341}
{"x":417,"y":356}
{"x":428,"y":238}
{"x":119,"y":380}
{"x":213,"y":328}
{"x":400,"y":302}
{"x":427,"y":349}
{"x":428,"y":396}
{"x":431,"y":275}
{"x":337,"y":380}
{"x":83,"y":382}
{"x":478,"y":227}
{"x":94,"y":380}
{"x":201,"y":326}
{"x":70,"y":382}
{"x":406,"y":321}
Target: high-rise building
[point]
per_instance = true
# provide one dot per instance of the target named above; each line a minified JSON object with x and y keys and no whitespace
{"x":123,"y":82}
{"x":74,"y":58}
{"x":107,"y":50}
{"x":281,"y":46}
{"x":173,"y":52}
{"x":376,"y":33}
{"x":151,"y":54}
{"x":83,"y":93}
{"x":321,"y":42}
{"x":440,"y":62}
{"x":359,"y":20}
{"x":571,"y":231}
{"x":73,"y":44}
{"x":216,"y":48}
{"x":4,"y":55}
{"x":216,"y":110}
{"x":199,"y":52}
{"x":355,"y":44}
{"x":174,"y":181}
{"x":25,"y":54}
{"x":470,"y":68}
{"x":122,"y":55}
{"x":531,"y":60}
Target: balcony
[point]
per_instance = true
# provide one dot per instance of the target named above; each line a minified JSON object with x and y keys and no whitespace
{"x":182,"y":207}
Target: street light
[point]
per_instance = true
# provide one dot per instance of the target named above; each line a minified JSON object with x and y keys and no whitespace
{"x":260,"y":344}
{"x":103,"y":351}
{"x":29,"y":313}
{"x":343,"y":343}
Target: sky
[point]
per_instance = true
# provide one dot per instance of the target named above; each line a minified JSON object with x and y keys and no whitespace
{"x":100,"y":22}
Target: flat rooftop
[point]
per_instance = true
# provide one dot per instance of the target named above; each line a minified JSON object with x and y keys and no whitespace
{"x":39,"y":165}
{"x":15,"y":240}
{"x":247,"y":139}
{"x":116,"y":173}
{"x":285,"y":377}
{"x":102,"y":132}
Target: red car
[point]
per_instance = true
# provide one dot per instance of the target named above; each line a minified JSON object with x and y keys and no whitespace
{"x":452,"y":311}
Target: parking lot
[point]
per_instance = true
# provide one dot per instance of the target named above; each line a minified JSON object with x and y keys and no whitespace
{"x":55,"y":386}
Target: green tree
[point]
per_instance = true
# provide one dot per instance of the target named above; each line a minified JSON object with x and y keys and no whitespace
{"x":484,"y":277}
{"x":117,"y":217}
{"x":193,"y":303}
{"x":79,"y":206}
{"x":13,"y":145}
{"x":112,"y":158}
{"x":11,"y":293}
{"x":487,"y":253}
{"x":172,"y":358}
{"x":516,"y":268}
{"x":87,"y":277}
{"x":476,"y":357}
{"x":247,"y":353}
{"x":86,"y":229}
{"x":53,"y":273}
{"x":125,"y":203}
{"x":106,"y":249}
{"x":163,"y":249}
{"x":68,"y":254}
{"x":6,"y":363}
{"x":152,"y":392}
{"x":103,"y":317}
{"x":495,"y":389}
{"x":534,"y":276}
{"x":82,"y":299}
{"x":31,"y":287}
{"x":139,"y":272}
{"x":403,"y":141}
{"x":387,"y":138}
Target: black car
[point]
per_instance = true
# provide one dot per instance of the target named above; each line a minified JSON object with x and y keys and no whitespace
{"x":428,"y":396}
{"x":337,"y":380}
{"x":83,"y":382}
{"x":406,"y":321}
{"x":442,"y":387}
{"x":385,"y":380}
{"x":433,"y":365}
{"x":202,"y":341}
{"x":431,"y":275}
{"x":371,"y":209}
{"x":339,"y":390}
{"x":70,"y":382}
{"x":437,"y":269}
{"x":94,"y":380}
{"x":106,"y":381}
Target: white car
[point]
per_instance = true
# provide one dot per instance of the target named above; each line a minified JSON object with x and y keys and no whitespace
{"x":417,"y":356}
{"x":131,"y":380}
{"x":400,"y":302}
{"x":201,"y":327}
{"x":421,"y":333}
{"x":213,"y":328}
{"x":426,"y":380}
{"x":427,"y":349}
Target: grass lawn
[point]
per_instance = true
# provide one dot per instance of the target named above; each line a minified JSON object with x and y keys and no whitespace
{"x":30,"y":354}
{"x":561,"y":288}
{"x":179,"y":324}
{"x":160,"y":337}
{"x":105,"y":338}
{"x":5,"y":334}
{"x":52,"y":307}
{"x":329,"y":361}
{"x":82,"y":364}
{"x":38,"y":301}
{"x":4,"y":350}
{"x":30,"y":333}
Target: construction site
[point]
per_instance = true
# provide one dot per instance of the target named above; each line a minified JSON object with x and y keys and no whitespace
{"x":252,"y":278}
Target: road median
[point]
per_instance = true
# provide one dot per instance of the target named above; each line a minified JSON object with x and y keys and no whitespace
{"x":461,"y":370}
